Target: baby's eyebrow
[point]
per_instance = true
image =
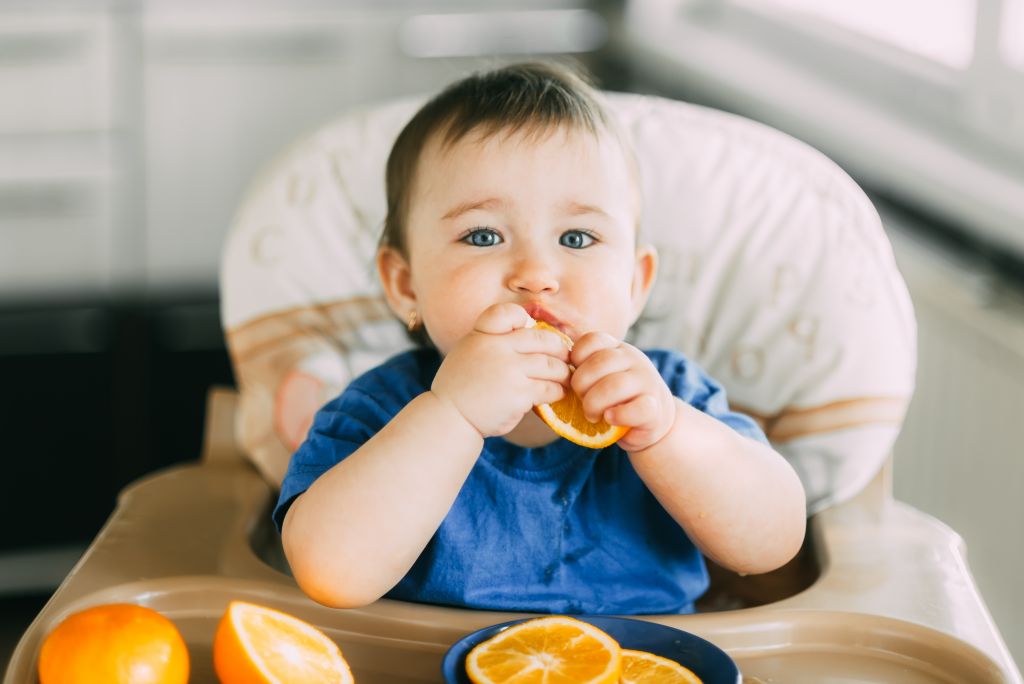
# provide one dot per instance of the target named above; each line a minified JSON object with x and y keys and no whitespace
{"x":464,"y":207}
{"x":578,"y":208}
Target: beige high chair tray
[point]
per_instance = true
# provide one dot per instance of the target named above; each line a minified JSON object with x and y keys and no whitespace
{"x":893,"y":599}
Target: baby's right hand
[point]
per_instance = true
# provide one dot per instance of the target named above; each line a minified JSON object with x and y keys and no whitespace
{"x":501,"y":369}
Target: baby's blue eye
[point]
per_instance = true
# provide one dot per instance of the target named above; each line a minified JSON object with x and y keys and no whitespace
{"x":576,"y":239}
{"x":482,"y":237}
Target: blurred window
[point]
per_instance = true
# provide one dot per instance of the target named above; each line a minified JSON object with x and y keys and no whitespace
{"x":924,"y":97}
{"x":939,"y":30}
{"x":1012,"y":38}
{"x":951,"y":65}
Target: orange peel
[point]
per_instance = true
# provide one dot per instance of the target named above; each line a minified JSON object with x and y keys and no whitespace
{"x":641,"y":667}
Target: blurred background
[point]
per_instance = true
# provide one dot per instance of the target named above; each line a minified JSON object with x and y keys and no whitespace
{"x":130,"y":128}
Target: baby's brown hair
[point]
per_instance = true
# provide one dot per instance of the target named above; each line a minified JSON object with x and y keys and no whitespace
{"x":535,"y":96}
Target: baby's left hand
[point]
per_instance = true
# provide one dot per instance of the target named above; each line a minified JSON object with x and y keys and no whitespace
{"x":618,"y":383}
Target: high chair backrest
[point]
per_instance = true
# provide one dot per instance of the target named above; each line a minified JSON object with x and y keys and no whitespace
{"x":774,"y":274}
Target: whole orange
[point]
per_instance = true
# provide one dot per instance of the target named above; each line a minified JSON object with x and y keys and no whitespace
{"x":116,"y":643}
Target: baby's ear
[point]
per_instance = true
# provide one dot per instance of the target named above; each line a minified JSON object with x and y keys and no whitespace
{"x":396,"y":278}
{"x":644,"y":271}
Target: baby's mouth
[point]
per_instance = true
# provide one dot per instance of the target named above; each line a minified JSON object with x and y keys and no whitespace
{"x":539,"y":313}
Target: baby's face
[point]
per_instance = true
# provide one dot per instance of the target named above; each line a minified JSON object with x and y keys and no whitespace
{"x":547,"y":222}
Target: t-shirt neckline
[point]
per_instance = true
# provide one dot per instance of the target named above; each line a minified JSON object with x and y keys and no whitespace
{"x":534,"y":462}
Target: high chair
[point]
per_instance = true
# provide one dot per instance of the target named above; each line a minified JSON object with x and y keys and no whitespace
{"x":775,"y":275}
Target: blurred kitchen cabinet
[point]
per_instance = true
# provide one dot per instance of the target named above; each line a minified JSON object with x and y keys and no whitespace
{"x":225,"y":93}
{"x":58,"y":150}
{"x":129,"y":129}
{"x":58,"y":366}
{"x":95,"y":396}
{"x":56,"y":71}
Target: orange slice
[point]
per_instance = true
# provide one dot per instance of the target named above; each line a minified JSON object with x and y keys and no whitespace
{"x":566,"y":417}
{"x":548,"y":649}
{"x":256,"y":644}
{"x":641,"y":667}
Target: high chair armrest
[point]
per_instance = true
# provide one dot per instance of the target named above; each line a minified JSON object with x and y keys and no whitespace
{"x":220,"y":444}
{"x":193,"y":519}
{"x":184,"y":521}
{"x":882,"y":557}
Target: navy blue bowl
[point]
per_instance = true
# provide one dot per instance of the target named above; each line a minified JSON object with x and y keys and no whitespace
{"x":707,"y":661}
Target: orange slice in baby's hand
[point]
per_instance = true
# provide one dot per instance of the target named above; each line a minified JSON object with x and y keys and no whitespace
{"x":566,"y":417}
{"x":548,"y":649}
{"x":255,"y":644}
{"x":641,"y":667}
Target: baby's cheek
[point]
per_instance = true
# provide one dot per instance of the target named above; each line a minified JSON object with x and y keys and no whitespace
{"x":447,"y":328}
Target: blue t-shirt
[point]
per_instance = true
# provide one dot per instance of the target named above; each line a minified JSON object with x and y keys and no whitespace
{"x":555,"y":529}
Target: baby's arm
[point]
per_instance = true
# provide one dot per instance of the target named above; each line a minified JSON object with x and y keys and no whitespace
{"x":739,"y":501}
{"x":358,"y":529}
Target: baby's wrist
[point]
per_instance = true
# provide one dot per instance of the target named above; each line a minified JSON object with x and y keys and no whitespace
{"x":657,"y":440}
{"x":447,"y":405}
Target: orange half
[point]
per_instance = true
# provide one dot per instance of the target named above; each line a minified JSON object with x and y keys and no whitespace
{"x":259,"y":645}
{"x":548,"y":649}
{"x":566,"y":416}
{"x":641,"y":667}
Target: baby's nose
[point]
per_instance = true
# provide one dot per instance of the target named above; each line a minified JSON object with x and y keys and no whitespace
{"x":534,"y":275}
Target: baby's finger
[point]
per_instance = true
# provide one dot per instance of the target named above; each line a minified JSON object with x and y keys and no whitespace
{"x":499,"y":319}
{"x":546,"y":367}
{"x":540,"y":341}
{"x":598,"y":365}
{"x":610,"y":391}
{"x":590,"y":344}
{"x":637,"y":411}
{"x":548,"y":392}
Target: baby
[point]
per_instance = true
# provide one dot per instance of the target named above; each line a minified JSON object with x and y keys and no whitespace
{"x":513,"y":197}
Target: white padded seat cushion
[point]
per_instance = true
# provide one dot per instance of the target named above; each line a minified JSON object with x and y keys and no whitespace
{"x":775,"y":275}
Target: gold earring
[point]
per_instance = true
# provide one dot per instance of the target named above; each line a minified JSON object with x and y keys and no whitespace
{"x":412,"y":322}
